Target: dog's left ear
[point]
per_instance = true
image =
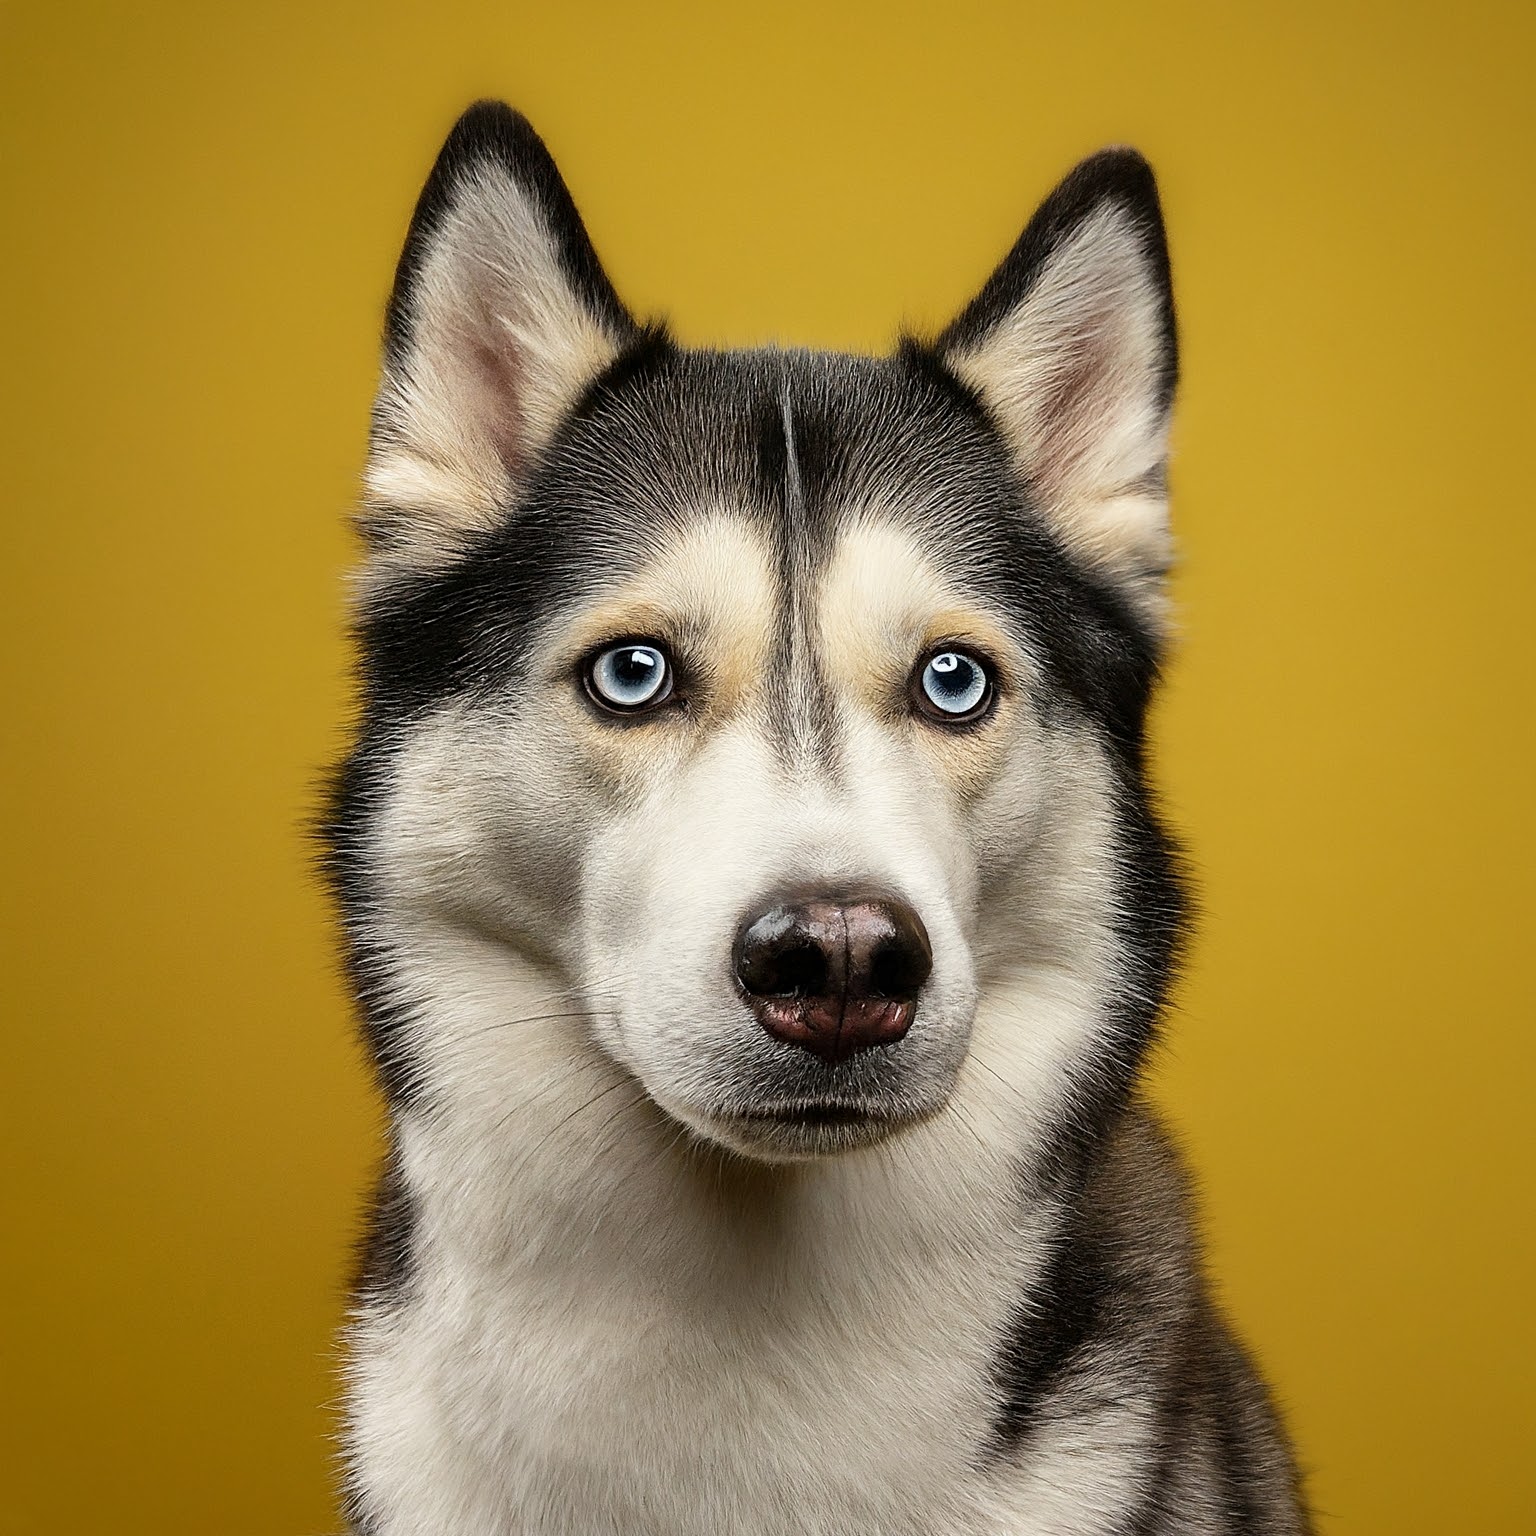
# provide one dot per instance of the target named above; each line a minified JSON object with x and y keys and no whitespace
{"x":501,"y":316}
{"x":1071,"y":347}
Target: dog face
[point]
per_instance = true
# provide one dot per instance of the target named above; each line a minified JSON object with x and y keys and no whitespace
{"x":780,"y":708}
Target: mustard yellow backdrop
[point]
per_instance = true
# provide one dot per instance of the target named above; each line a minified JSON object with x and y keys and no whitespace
{"x":202,"y":207}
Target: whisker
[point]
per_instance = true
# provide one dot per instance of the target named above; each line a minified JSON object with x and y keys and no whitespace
{"x":561,"y":1123}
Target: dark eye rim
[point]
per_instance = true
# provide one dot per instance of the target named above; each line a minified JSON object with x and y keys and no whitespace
{"x":984,"y":707}
{"x":586,"y":669}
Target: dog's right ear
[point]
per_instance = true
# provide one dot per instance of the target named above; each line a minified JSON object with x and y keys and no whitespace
{"x":500,"y":317}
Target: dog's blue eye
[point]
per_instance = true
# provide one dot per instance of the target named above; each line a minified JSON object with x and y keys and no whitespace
{"x":954,"y":686}
{"x":630,"y":677}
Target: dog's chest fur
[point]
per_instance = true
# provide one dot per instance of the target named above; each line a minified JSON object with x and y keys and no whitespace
{"x":657,"y":1341}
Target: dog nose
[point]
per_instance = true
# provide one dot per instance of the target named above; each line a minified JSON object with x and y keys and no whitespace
{"x":834,"y":974}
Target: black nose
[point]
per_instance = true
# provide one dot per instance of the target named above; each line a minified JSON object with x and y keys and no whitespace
{"x":834,"y":974}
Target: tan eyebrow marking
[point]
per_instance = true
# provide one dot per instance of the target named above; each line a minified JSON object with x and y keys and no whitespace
{"x":883,"y":605}
{"x":883,"y":602}
{"x":709,"y":594}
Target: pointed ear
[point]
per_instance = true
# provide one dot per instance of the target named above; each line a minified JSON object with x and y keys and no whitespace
{"x":1071,"y":347}
{"x":499,"y":319}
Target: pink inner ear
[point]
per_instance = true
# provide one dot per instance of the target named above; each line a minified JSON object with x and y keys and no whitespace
{"x":1083,"y":394}
{"x":497,"y":394}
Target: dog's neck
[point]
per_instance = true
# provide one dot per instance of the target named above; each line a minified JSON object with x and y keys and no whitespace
{"x":576,"y":1172}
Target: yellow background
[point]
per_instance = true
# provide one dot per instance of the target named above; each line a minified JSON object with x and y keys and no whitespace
{"x":202,"y":207}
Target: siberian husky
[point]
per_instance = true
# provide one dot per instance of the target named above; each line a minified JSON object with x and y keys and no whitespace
{"x":759,"y":914}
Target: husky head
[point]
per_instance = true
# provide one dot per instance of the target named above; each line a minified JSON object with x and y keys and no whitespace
{"x":767,"y":725}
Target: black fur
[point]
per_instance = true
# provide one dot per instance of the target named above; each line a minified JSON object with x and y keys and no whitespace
{"x":384,"y":1262}
{"x":1053,"y":1323}
{"x":342,"y":830}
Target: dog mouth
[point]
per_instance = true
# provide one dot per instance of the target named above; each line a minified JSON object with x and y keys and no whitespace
{"x":813,"y":1115}
{"x":808,"y":1128}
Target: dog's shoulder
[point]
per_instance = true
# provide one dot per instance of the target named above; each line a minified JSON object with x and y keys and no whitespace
{"x":1218,"y":1444}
